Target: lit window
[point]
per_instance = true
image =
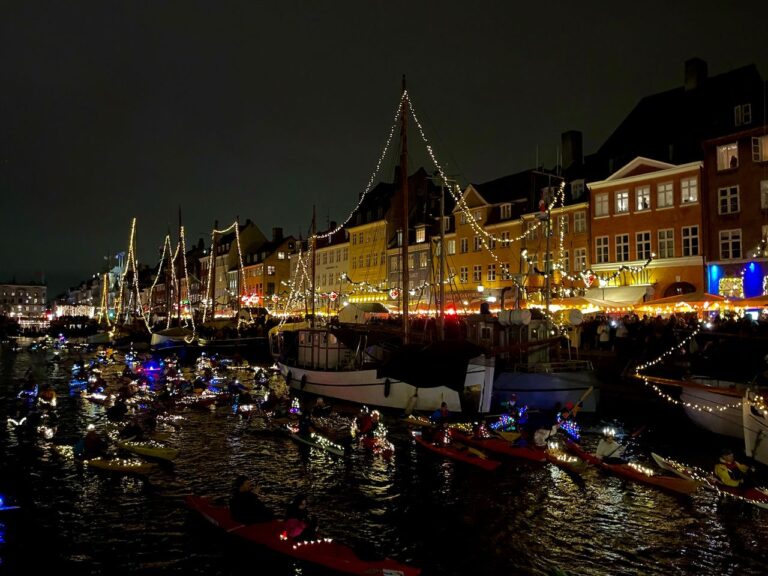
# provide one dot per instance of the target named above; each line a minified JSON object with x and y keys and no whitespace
{"x":728,"y":156}
{"x":451,"y":246}
{"x":643,"y":245}
{"x":421,"y":234}
{"x":764,"y":194}
{"x":642,"y":198}
{"x":563,"y":222}
{"x":491,"y":273}
{"x":506,"y":211}
{"x":281,"y":255}
{"x":689,"y":188}
{"x":666,"y":243}
{"x":580,"y":259}
{"x":580,"y":222}
{"x":477,"y":273}
{"x":622,"y":201}
{"x":760,"y":149}
{"x":463,"y":274}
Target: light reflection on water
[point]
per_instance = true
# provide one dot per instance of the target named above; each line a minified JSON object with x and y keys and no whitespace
{"x":440,"y":515}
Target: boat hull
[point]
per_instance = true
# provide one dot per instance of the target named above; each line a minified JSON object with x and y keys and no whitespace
{"x":546,"y":390}
{"x":721,"y":411}
{"x":365,"y":387}
{"x":755,"y":423}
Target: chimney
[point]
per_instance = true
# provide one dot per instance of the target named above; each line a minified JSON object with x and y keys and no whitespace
{"x":277,"y":234}
{"x":695,"y":73}
{"x":573,"y":153}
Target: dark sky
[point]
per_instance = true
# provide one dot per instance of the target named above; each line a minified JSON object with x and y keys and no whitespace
{"x":113,"y":110}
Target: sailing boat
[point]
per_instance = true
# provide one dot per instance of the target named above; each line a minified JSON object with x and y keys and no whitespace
{"x":377,"y":364}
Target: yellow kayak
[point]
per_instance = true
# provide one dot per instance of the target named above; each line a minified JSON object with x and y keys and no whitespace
{"x":149,"y":449}
{"x":122,"y":465}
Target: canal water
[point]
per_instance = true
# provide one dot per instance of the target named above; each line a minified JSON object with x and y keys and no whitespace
{"x":442,"y":516}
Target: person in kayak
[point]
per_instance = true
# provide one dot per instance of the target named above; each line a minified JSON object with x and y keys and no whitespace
{"x":92,"y":445}
{"x":245,"y":506}
{"x":608,"y":450}
{"x":368,"y":423}
{"x":730,"y":472}
{"x":299,"y":523}
{"x":441,"y":415}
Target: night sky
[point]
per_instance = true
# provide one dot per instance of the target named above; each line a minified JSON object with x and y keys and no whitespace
{"x":114,"y":110}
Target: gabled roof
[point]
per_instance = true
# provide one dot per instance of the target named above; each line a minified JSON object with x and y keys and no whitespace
{"x":640,"y":165}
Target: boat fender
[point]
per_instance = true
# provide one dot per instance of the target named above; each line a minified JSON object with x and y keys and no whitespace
{"x":387,"y":385}
{"x":303,"y":381}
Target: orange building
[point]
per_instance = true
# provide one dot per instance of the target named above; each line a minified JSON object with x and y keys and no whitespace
{"x":646,"y":231}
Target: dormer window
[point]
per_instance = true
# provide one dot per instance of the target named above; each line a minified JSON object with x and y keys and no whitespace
{"x":421,"y":234}
{"x":742,"y":114}
{"x":506,"y":211}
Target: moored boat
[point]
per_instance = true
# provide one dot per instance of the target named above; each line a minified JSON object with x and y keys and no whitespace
{"x":323,"y":551}
{"x":755,"y":422}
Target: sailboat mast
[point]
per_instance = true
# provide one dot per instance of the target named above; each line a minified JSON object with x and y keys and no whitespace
{"x":312,"y":248}
{"x":404,"y":190}
{"x":441,"y":313}
{"x":179,"y":273}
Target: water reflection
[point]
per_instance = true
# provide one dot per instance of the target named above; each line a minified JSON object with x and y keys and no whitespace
{"x":447,"y":518}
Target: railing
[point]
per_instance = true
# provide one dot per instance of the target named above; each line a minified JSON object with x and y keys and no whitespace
{"x":553,"y":367}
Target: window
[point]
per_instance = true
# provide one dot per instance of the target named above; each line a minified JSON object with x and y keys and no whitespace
{"x":281,"y":255}
{"x":394,"y":263}
{"x":664,"y":197}
{"x":411,"y":261}
{"x":464,"y":245}
{"x":477,"y":273}
{"x":505,"y":271}
{"x":421,"y":234}
{"x":667,"y":243}
{"x":730,"y":244}
{"x":580,"y":259}
{"x":477,"y":215}
{"x":446,"y":223}
{"x":463,"y":275}
{"x":689,"y":189}
{"x":642,"y":198}
{"x":463,"y":218}
{"x":601,"y":249}
{"x":477,"y":244}
{"x":423,"y":259}
{"x":728,"y":200}
{"x":325,"y":258}
{"x":622,"y":201}
{"x":563,"y":222}
{"x":565,"y":262}
{"x":451,"y":247}
{"x":690,"y":241}
{"x":601,"y":205}
{"x":580,"y":222}
{"x":491,"y":276}
{"x":505,"y":239}
{"x":506,"y":211}
{"x":728,"y":156}
{"x":622,"y":247}
{"x":742,"y":114}
{"x":643,"y":245}
{"x":760,"y":149}
{"x":270,"y":270}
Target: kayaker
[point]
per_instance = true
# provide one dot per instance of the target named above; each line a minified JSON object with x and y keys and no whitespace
{"x":442,"y":414}
{"x":367,"y":423}
{"x":320,"y":408}
{"x":299,"y":523}
{"x":729,"y":471}
{"x":92,"y":445}
{"x":245,"y":506}
{"x":608,"y":450}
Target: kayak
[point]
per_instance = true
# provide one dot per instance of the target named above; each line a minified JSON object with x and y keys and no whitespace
{"x":636,"y":472}
{"x":149,"y":449}
{"x":566,"y":461}
{"x":499,"y":446}
{"x":378,"y":445}
{"x":752,"y":495}
{"x":122,"y":465}
{"x":324,"y":551}
{"x":469,"y":455}
{"x":316,"y":441}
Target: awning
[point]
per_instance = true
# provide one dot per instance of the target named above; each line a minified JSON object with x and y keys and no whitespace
{"x":621,"y":294}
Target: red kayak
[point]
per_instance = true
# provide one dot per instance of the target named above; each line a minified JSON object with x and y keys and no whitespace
{"x":636,"y":472}
{"x":325,"y":551}
{"x":499,"y":446}
{"x":456,"y":452}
